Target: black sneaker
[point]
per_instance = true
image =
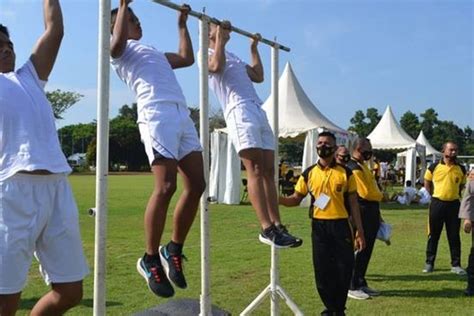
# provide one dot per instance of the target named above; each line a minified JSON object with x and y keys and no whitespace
{"x":155,"y":277}
{"x":282,"y":229}
{"x":173,"y":265}
{"x":271,"y":236}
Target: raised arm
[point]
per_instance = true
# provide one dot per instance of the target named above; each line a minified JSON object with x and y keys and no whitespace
{"x":255,"y":71}
{"x":185,"y":55}
{"x":120,"y":31}
{"x":47,"y":48}
{"x":217,"y":60}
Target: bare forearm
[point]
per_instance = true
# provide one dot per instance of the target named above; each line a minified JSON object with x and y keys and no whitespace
{"x":120,"y":32}
{"x":53,"y":18}
{"x":429,"y":187}
{"x":217,"y":60}
{"x":293,"y":200}
{"x":256,"y":62}
{"x":185,"y":45}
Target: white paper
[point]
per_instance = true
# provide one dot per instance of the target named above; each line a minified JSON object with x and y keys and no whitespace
{"x":322,"y":201}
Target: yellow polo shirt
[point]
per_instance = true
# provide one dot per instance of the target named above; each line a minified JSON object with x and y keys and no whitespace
{"x":334,"y":181}
{"x":367,"y":187}
{"x":447,"y":180}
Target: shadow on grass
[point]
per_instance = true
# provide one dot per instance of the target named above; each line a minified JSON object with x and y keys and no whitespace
{"x":27,"y":304}
{"x":443,"y":292}
{"x":398,"y":207}
{"x":431,"y":277}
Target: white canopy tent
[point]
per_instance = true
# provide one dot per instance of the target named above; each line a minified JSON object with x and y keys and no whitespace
{"x":430,"y":150}
{"x":388,"y":135}
{"x":297,"y":115}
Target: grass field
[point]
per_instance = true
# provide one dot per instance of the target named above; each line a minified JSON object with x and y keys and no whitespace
{"x":240,"y":264}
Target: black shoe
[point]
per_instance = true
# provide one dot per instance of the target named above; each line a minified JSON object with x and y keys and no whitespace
{"x":271,"y":236}
{"x":155,"y":277}
{"x":469,"y":291}
{"x":282,"y":230}
{"x":173,"y":265}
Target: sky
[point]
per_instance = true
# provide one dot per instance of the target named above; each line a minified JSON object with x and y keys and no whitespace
{"x":348,"y":55}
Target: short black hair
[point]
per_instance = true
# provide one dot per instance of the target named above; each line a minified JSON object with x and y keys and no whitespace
{"x":327,"y":134}
{"x":4,"y":30}
{"x":408,"y":183}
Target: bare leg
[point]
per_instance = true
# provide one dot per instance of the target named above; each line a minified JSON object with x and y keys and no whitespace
{"x":164,"y":172}
{"x":191,"y":168}
{"x":63,"y":296}
{"x":271,"y":195}
{"x":9,"y":304}
{"x":254,"y":164}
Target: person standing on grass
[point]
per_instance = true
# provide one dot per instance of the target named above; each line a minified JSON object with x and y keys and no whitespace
{"x":170,"y":138}
{"x":332,"y":188}
{"x":231,"y":80}
{"x":369,"y":197}
{"x":445,"y":180}
{"x":38,"y":214}
{"x":466,"y":212}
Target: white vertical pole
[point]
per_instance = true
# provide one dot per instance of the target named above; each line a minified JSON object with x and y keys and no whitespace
{"x":204,"y":133}
{"x":102,"y":156}
{"x":274,"y":278}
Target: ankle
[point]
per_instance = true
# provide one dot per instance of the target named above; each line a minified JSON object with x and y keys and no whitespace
{"x":174,"y":248}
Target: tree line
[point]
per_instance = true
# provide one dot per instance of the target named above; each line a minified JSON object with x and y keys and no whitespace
{"x":126,"y":149}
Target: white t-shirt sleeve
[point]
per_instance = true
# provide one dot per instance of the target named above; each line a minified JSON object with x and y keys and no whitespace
{"x":29,"y":71}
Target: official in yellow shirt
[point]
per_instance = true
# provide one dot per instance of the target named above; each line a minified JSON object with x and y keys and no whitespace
{"x":445,"y":180}
{"x":369,"y":196}
{"x":329,"y":186}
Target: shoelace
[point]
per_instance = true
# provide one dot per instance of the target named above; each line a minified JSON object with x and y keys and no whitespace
{"x":155,"y":274}
{"x":177,"y":261}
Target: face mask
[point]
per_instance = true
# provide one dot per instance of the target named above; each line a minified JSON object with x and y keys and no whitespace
{"x":367,"y":154}
{"x":451,"y":158}
{"x":345,"y":158}
{"x":325,"y":151}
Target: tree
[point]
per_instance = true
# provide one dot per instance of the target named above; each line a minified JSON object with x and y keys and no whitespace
{"x":363,"y":124}
{"x":62,"y":100}
{"x":410,"y":124}
{"x":430,"y":120}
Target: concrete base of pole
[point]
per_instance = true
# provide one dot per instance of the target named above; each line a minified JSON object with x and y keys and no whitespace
{"x":180,"y":307}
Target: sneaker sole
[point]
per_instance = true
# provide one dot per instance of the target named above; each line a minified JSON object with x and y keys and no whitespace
{"x":166,"y":267}
{"x":270,"y":243}
{"x":358,"y":297}
{"x":143,"y":274}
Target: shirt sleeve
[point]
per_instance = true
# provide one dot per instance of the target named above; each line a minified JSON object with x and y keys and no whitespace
{"x":351,"y":184}
{"x":428,"y":175}
{"x":29,"y":71}
{"x":301,"y":187}
{"x":362,"y":189}
{"x":466,"y":210}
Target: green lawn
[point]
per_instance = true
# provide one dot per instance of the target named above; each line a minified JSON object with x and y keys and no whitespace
{"x":240,"y":264}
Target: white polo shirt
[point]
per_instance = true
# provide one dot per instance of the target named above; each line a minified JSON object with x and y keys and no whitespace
{"x":147,"y":72}
{"x":28,"y":137}
{"x":233,"y":86}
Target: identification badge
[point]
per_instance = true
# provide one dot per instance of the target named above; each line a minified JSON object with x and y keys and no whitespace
{"x":322,"y":201}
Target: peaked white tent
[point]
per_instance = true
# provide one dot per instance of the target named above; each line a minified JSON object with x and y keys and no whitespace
{"x":430,"y":150}
{"x":389,"y":135}
{"x":297,"y":116}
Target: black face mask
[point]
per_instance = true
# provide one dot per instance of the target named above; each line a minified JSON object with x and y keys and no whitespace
{"x":451,"y":158}
{"x":325,"y":151}
{"x":345,"y":158}
{"x":367,"y":154}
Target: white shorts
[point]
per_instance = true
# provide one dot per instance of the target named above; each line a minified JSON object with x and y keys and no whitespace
{"x":249,"y":128}
{"x":38,"y":215}
{"x":168,"y":132}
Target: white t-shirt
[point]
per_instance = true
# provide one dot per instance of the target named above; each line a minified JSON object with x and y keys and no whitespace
{"x":147,"y":72}
{"x":233,"y":86}
{"x":425,"y":196}
{"x":28,"y":137}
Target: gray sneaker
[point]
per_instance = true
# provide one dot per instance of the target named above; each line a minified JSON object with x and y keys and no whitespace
{"x":358,"y":295}
{"x":458,"y":270}
{"x":369,"y":291}
{"x":428,"y":268}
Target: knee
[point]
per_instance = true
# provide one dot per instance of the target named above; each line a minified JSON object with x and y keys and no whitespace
{"x":166,"y":190}
{"x":269,"y":172}
{"x":199,"y":186}
{"x":70,"y":296}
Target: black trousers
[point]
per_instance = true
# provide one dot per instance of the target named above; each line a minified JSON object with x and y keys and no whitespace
{"x":370,"y":215}
{"x":470,"y":264}
{"x":333,"y":261}
{"x":444,"y":213}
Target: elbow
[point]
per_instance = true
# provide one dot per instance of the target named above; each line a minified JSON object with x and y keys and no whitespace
{"x":189,"y":61}
{"x":258,"y":79}
{"x":215,"y":67}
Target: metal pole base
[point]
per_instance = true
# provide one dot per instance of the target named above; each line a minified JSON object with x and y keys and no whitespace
{"x":273,"y":296}
{"x":181,"y":307}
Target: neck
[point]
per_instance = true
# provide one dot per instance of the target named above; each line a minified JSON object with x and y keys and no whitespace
{"x":448,"y":161}
{"x":358,"y":158}
{"x":325,"y":162}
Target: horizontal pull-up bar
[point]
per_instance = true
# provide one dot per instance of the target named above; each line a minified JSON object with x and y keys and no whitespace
{"x":199,"y":15}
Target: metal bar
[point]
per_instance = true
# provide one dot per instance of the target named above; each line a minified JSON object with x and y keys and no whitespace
{"x":103,"y":85}
{"x":200,"y":15}
{"x":204,"y":133}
